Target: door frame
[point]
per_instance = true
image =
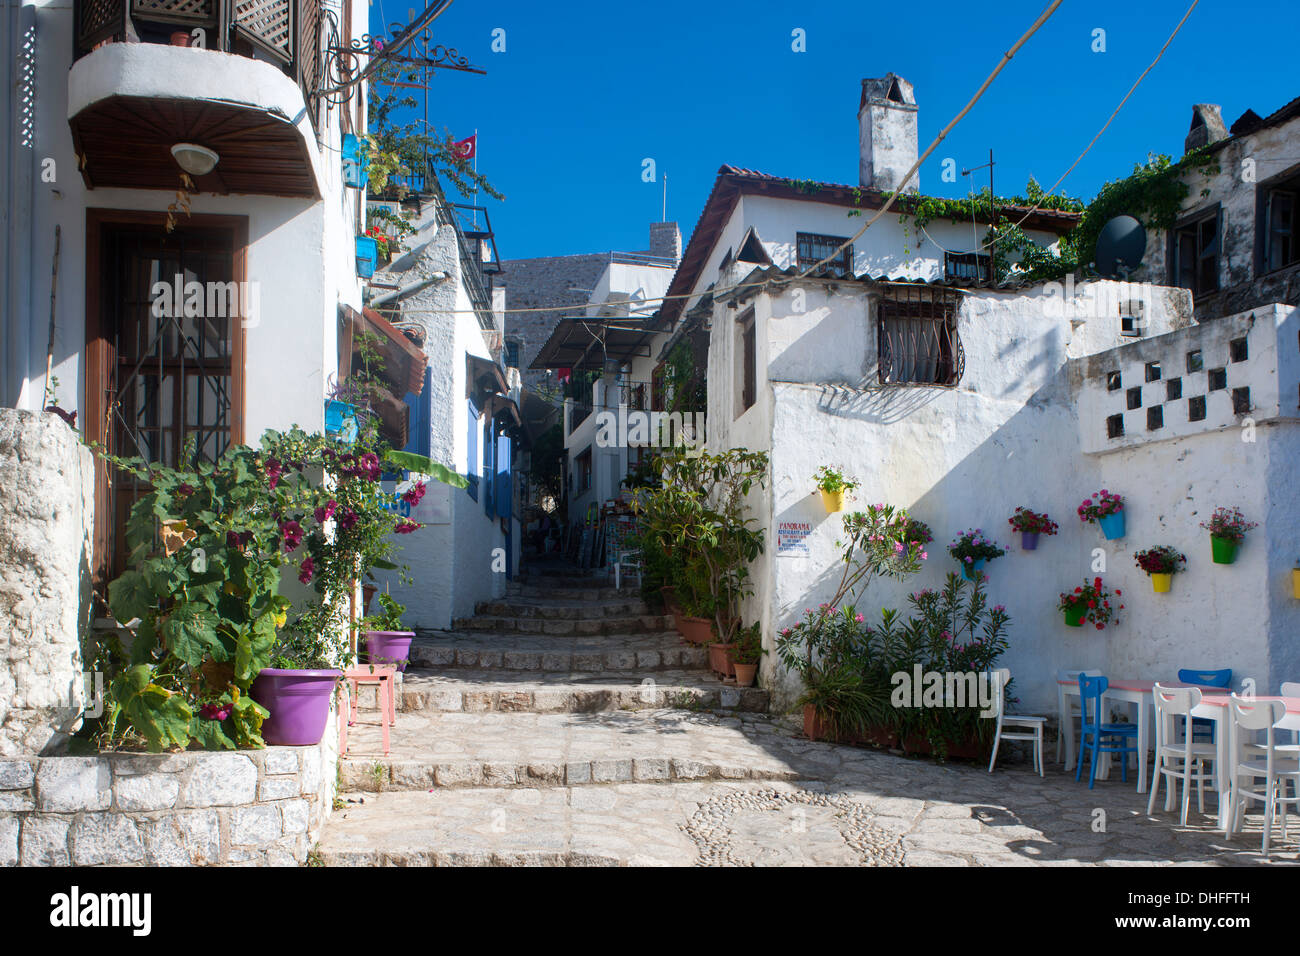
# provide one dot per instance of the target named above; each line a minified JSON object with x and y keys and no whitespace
{"x":100,"y":353}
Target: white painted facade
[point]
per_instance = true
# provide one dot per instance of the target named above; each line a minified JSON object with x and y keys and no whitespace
{"x":300,"y":256}
{"x":1025,"y":425}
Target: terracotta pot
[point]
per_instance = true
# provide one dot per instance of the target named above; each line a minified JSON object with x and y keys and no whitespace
{"x":720,"y":661}
{"x":814,"y":727}
{"x":879,"y":736}
{"x":181,"y":38}
{"x":746,"y":674}
{"x":696,"y":630}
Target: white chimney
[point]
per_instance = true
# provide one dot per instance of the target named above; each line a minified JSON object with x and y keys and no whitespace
{"x":887,"y":134}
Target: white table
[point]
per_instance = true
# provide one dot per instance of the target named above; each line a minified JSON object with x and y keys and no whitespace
{"x":1135,"y":692}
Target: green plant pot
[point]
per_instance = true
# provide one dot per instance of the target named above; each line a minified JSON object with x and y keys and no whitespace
{"x":1074,"y":616}
{"x":1223,"y":550}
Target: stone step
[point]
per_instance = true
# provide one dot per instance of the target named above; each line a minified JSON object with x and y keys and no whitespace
{"x":641,"y":624}
{"x":437,"y":750}
{"x":563,"y":692}
{"x":590,"y":593}
{"x":534,"y":608}
{"x":534,"y":652}
{"x":602,"y":580}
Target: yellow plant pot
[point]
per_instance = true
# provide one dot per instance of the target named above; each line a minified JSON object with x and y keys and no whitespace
{"x":833,"y":500}
{"x":1295,"y":582}
{"x":1160,"y":582}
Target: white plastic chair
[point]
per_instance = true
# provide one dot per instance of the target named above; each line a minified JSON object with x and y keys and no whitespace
{"x":1071,"y":714}
{"x":624,"y":562}
{"x":1178,"y":761}
{"x":1248,"y":717}
{"x":1001,"y":678}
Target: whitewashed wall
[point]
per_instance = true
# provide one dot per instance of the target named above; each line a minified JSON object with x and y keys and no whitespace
{"x":1008,"y":435}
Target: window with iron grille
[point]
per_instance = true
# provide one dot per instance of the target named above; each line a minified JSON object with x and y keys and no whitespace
{"x":966,"y":266}
{"x":917,"y":341}
{"x":813,"y":248}
{"x":512,"y":353}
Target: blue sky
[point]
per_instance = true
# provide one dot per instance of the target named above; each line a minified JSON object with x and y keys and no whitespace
{"x":585,"y":91}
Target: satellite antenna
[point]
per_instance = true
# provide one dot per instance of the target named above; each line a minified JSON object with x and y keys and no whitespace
{"x":1120,"y":246}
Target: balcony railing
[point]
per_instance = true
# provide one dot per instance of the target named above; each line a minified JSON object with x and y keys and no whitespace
{"x":286,"y":32}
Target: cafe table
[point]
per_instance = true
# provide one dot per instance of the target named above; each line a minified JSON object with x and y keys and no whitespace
{"x":1215,"y":707}
{"x":1130,"y":691}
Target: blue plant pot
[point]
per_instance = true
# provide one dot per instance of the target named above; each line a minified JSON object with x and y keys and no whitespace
{"x":1112,"y":526}
{"x":367,"y":256}
{"x":968,"y":570}
{"x":355,"y":173}
{"x":340,"y":420}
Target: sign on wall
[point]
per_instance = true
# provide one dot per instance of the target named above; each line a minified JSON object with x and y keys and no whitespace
{"x":792,"y":538}
{"x":434,"y":507}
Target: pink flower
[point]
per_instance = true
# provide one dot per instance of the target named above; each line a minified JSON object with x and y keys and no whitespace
{"x":324,"y":514}
{"x":414,"y":494}
{"x":291,"y":531}
{"x":406,"y":526}
{"x":308,"y":568}
{"x":348,"y":519}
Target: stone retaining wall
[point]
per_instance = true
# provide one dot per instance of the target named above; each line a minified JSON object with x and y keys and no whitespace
{"x":248,"y":807}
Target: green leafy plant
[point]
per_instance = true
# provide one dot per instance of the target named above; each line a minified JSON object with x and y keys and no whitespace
{"x":749,"y":644}
{"x":971,"y":546}
{"x":1031,"y":522}
{"x":388,"y":617}
{"x":1094,"y":601}
{"x":697,"y":518}
{"x":831,"y":480}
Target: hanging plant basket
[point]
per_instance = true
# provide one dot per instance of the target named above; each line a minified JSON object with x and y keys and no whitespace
{"x":1074,"y":616}
{"x":1160,"y":582}
{"x":969,"y":570}
{"x":1223,"y":550}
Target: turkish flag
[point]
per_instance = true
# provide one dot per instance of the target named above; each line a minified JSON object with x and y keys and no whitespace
{"x":465,"y":148}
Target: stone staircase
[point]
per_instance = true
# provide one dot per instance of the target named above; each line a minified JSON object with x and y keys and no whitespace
{"x":564,"y":684}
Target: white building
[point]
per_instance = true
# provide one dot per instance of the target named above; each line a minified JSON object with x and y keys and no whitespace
{"x":466,"y":417}
{"x":960,"y":404}
{"x":101,"y":102}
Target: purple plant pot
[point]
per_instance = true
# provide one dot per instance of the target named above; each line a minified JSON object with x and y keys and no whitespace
{"x":388,"y":648}
{"x":1029,"y":540}
{"x":299,"y":702}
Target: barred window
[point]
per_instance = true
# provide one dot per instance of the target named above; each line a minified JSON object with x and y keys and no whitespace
{"x":917,"y":337}
{"x":813,"y":248}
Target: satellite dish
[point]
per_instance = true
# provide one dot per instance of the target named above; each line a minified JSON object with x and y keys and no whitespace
{"x":1120,"y":246}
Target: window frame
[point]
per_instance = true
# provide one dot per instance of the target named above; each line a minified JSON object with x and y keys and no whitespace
{"x":746,"y":362}
{"x":1196,"y":221}
{"x":910,"y":302}
{"x":802,"y":261}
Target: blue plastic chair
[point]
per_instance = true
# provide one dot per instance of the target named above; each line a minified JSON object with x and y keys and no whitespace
{"x":1106,"y":738}
{"x":1202,"y":728}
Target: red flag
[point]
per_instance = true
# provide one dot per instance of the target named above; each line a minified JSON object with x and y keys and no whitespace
{"x":465,"y":148}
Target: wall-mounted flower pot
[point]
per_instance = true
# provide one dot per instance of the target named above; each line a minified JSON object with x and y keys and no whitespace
{"x":388,"y":648}
{"x":181,"y":38}
{"x":299,"y":702}
{"x":1029,"y":540}
{"x":968,"y":568}
{"x":696,"y":630}
{"x":1223,"y":550}
{"x":1074,"y":616}
{"x":833,"y":500}
{"x":1160,"y":582}
{"x":1112,"y":526}
{"x":340,"y":419}
{"x":367,"y":256}
{"x":720,"y":661}
{"x":1295,"y":583}
{"x":746,"y":674}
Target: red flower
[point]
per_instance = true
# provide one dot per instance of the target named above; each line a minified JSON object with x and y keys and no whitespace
{"x":308,"y":568}
{"x":406,"y":526}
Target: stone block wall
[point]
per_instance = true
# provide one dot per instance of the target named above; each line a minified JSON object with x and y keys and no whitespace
{"x":564,"y":282}
{"x":250,"y":807}
{"x":46,"y":522}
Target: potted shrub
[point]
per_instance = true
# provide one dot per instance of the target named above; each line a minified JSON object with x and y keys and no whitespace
{"x":1031,"y":524}
{"x":971,"y":550}
{"x":386,"y":643}
{"x":1105,"y":509}
{"x":1162,"y":563}
{"x":1227,"y":527}
{"x":746,"y":655}
{"x":1092,"y":603}
{"x":833,"y":485}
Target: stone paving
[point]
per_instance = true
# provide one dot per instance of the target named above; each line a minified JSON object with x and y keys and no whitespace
{"x":760,"y":795}
{"x":582,"y":749}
